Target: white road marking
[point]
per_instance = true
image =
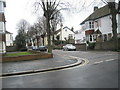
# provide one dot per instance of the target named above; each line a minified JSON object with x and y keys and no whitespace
{"x":104,"y":61}
{"x":110,"y":60}
{"x":98,"y":62}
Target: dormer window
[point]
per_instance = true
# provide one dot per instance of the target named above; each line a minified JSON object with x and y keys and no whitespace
{"x":91,"y":24}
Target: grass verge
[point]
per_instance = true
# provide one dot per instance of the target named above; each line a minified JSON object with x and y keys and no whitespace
{"x":19,"y":54}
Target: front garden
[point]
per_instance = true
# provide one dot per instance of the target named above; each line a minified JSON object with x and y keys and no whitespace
{"x":22,"y":56}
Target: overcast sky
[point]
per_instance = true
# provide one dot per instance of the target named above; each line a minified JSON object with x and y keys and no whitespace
{"x":23,"y":9}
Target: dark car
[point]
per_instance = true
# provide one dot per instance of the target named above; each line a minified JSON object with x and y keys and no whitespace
{"x":42,"y":48}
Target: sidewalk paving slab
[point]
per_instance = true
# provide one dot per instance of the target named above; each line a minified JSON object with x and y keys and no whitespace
{"x":34,"y":65}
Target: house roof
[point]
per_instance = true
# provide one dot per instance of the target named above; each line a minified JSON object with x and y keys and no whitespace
{"x":101,"y":12}
{"x":8,"y":32}
{"x":56,"y":32}
{"x":72,"y":29}
{"x":97,"y":32}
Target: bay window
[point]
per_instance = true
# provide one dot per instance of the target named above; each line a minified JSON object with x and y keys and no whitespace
{"x":91,"y":24}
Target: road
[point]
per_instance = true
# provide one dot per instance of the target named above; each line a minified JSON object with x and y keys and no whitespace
{"x":100,"y":72}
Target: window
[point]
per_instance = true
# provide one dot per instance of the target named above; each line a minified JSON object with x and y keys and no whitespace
{"x":70,"y":36}
{"x":105,"y":37}
{"x":95,"y":37}
{"x":90,"y":37}
{"x":1,"y":6}
{"x":1,"y":26}
{"x":91,"y":24}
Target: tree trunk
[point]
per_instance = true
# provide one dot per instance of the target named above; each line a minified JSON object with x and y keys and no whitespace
{"x":48,"y":35}
{"x":114,"y":26}
{"x":43,"y":41}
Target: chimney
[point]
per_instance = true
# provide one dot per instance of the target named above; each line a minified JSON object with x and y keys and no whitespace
{"x":95,"y":8}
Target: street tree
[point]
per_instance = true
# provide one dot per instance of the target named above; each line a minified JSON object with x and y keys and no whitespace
{"x":22,"y":26}
{"x":37,"y":30}
{"x":50,"y":8}
{"x":20,"y":39}
{"x":41,"y":22}
{"x":57,"y":20}
{"x":114,"y":11}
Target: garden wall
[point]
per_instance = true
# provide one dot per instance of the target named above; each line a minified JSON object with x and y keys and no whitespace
{"x":11,"y":48}
{"x":80,"y":46}
{"x":108,"y":45}
{"x":27,"y":57}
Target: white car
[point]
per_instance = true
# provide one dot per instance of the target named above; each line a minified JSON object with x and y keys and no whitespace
{"x":68,"y":47}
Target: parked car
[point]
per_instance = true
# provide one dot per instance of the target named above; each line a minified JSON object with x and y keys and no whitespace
{"x":42,"y":48}
{"x":35,"y":48}
{"x":68,"y":47}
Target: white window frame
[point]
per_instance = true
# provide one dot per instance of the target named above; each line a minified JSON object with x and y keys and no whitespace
{"x":91,"y":24}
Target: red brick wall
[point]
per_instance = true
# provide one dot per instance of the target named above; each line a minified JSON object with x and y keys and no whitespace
{"x":27,"y":57}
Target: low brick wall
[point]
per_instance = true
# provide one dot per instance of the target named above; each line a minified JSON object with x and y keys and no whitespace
{"x":11,"y":48}
{"x":80,"y":46}
{"x":27,"y":57}
{"x":108,"y":45}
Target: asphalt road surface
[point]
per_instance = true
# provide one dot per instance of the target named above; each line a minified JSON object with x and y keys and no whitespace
{"x":100,"y":72}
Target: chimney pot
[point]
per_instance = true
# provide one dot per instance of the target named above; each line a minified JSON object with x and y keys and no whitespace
{"x":95,"y":8}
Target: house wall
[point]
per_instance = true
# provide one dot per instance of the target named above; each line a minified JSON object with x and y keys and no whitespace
{"x":118,"y":21}
{"x":2,"y":47}
{"x":2,"y":28}
{"x":106,"y":25}
{"x":9,"y":40}
{"x":80,"y":37}
{"x":2,"y":6}
{"x":65,"y":34}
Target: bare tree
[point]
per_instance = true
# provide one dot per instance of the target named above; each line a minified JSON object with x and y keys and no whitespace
{"x":37,"y":30}
{"x":41,"y":22}
{"x":50,"y":8}
{"x":114,"y":11}
{"x":57,"y":20}
{"x":22,"y":26}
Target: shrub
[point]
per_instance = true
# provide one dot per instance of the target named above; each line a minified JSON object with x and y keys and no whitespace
{"x":23,"y":49}
{"x":91,"y":45}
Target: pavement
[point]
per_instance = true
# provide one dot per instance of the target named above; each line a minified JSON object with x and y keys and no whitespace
{"x":42,"y":65}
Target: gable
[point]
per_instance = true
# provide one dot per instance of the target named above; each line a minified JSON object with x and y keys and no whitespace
{"x":101,"y":12}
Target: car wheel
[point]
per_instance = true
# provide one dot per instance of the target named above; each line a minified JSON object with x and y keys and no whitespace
{"x":67,"y":49}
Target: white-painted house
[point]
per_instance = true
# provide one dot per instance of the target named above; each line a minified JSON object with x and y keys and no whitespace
{"x":9,"y":39}
{"x":66,"y":33}
{"x":2,"y":27}
{"x":99,"y":24}
{"x":79,"y":37}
